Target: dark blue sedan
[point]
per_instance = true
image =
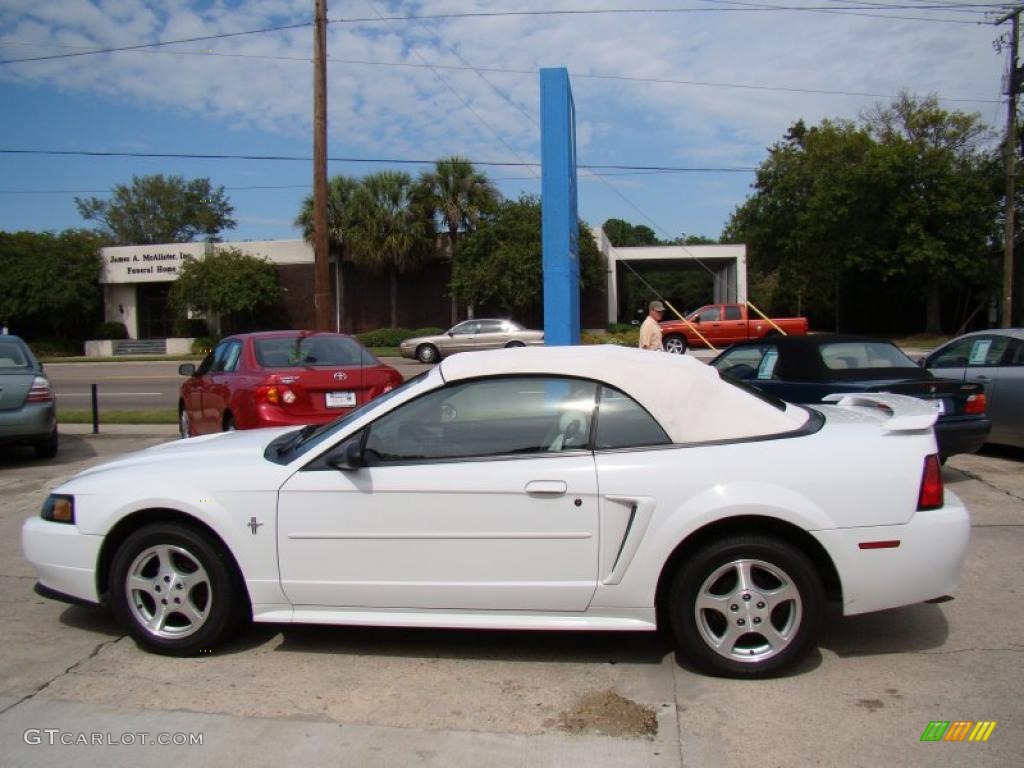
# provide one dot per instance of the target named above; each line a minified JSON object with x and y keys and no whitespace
{"x":805,"y":369}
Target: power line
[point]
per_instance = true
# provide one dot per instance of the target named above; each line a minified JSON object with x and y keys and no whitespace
{"x":468,"y":67}
{"x":736,"y":8}
{"x":383,"y":160}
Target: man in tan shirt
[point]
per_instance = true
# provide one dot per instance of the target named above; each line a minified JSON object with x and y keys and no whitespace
{"x":650,"y":331}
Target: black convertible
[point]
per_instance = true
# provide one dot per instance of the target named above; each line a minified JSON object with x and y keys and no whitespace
{"x":805,"y":369}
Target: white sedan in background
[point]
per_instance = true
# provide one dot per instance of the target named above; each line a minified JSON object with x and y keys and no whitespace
{"x":572,"y":488}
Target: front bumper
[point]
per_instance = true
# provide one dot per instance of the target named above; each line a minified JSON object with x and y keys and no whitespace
{"x":64,"y":558}
{"x":925,"y":565}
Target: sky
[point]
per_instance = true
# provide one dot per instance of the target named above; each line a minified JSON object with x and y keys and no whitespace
{"x":700,"y":87}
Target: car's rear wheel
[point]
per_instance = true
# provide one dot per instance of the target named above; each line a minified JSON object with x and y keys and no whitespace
{"x":746,"y":606}
{"x":426,"y":353}
{"x":47,"y":448}
{"x":675,"y":344}
{"x":173,"y":590}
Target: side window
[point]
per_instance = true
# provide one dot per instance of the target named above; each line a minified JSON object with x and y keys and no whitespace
{"x":710,"y":315}
{"x":491,"y":326}
{"x":490,"y":417}
{"x":954,"y":356}
{"x":225,"y":357}
{"x":746,"y":362}
{"x":732,"y":312}
{"x":987,"y":351}
{"x":465,"y":329}
{"x":623,"y":423}
{"x":1016,"y":355}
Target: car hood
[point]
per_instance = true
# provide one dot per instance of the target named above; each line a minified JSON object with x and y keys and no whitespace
{"x":212,"y":453}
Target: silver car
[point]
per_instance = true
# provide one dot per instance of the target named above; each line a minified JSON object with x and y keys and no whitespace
{"x":470,"y":335}
{"x":994,"y":358}
{"x":28,"y":410}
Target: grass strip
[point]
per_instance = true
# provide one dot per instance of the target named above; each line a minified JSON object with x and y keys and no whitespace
{"x":84,"y":416}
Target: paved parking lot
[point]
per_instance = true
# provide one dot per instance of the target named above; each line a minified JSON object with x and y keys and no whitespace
{"x":378,"y":697}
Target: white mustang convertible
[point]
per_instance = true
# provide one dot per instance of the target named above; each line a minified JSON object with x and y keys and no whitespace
{"x":550,"y":488}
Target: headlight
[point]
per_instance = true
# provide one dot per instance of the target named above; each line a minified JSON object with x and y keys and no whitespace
{"x":59,"y":508}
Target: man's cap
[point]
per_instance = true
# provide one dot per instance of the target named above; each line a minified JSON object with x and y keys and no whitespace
{"x":656,"y":306}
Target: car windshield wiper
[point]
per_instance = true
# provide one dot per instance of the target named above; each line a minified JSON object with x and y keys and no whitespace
{"x":295,"y":439}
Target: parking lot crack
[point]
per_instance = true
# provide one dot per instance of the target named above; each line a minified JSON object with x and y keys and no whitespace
{"x":40,"y":688}
{"x":989,"y":484}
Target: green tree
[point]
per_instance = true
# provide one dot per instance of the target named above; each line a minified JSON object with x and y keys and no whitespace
{"x":341,"y":193}
{"x":622,"y":234}
{"x":389,"y":232}
{"x":50,"y":282}
{"x":907,"y":199}
{"x":229,"y":284}
{"x":459,"y":196}
{"x":501,"y":262}
{"x":160,"y":209}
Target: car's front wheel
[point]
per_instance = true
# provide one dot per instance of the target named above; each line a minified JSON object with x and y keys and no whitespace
{"x":426,"y":353}
{"x":173,"y":590}
{"x":746,"y":606}
{"x":674,"y":344}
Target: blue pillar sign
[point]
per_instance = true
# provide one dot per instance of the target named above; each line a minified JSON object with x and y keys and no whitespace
{"x":560,"y":224}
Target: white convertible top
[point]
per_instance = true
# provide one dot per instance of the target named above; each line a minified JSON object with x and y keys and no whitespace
{"x":687,"y":397}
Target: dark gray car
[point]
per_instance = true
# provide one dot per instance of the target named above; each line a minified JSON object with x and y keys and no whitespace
{"x":28,"y":409}
{"x":994,"y":358}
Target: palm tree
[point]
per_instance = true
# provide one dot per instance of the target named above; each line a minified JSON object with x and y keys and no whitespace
{"x":459,"y":195}
{"x":389,"y":231}
{"x":341,"y":192}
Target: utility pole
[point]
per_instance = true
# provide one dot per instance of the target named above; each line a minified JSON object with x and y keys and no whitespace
{"x":321,"y":266}
{"x":1014,"y":84}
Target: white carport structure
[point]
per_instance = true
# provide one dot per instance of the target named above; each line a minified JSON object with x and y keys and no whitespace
{"x":728,"y":263}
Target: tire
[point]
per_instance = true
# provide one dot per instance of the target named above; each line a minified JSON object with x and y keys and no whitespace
{"x":169,"y":561}
{"x":426,"y":353}
{"x":741,"y":632}
{"x":229,"y":423}
{"x":184,"y":424}
{"x":675,"y":344}
{"x":514,"y":345}
{"x":47,"y":448}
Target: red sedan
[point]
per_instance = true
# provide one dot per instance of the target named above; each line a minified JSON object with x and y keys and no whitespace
{"x":279,"y":379}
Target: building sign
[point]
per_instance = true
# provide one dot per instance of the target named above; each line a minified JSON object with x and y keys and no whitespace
{"x":147,"y":263}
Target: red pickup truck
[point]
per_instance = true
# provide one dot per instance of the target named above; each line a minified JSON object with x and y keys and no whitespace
{"x":725,"y":324}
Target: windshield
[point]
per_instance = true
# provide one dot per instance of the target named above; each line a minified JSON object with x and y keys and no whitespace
{"x":282,"y":452}
{"x":311,"y":350}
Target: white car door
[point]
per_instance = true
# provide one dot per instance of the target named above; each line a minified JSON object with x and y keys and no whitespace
{"x":481,"y":495}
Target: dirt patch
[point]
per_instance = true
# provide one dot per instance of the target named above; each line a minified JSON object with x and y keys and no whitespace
{"x":609,"y":714}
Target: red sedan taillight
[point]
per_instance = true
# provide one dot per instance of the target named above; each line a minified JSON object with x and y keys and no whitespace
{"x":40,"y":391}
{"x":279,"y":394}
{"x":976,"y":405}
{"x":932,"y":492}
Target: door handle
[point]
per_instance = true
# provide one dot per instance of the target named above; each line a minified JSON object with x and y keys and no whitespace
{"x":546,"y":487}
{"x":983,"y":378}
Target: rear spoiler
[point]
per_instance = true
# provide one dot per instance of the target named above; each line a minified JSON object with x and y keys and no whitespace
{"x":906,"y":414}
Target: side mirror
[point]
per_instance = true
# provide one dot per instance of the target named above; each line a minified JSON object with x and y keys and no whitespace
{"x":186,"y":369}
{"x":451,"y":334}
{"x":350,"y":457}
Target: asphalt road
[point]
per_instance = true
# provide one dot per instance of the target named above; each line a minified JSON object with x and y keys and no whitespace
{"x":296,"y":695}
{"x":129,"y":386}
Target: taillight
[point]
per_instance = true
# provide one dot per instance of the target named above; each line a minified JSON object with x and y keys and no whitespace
{"x":277,"y":395}
{"x":976,"y":404}
{"x":40,"y":391}
{"x":932,"y":493}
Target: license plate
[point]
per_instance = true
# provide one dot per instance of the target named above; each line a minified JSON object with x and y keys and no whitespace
{"x":341,"y":399}
{"x":940,"y":406}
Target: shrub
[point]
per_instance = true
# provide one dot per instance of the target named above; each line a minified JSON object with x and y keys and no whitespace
{"x":193,"y":328}
{"x":202,"y":346}
{"x":427,"y":332}
{"x":621,"y":328}
{"x":384,"y":337}
{"x":629,"y":338}
{"x":54,"y":348}
{"x":112,"y":330}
